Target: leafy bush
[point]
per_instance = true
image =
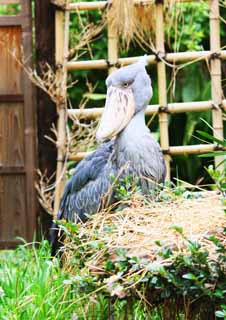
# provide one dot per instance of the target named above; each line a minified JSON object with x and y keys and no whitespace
{"x":190,"y":283}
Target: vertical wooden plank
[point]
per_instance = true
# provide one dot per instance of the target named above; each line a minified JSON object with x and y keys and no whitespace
{"x":12,"y":208}
{"x":162,"y":88}
{"x":1,"y":205}
{"x":10,"y":55}
{"x":215,"y":67}
{"x":11,"y":135}
{"x":46,"y":109}
{"x":61,"y":34}
{"x":30,"y":123}
{"x":17,"y":132}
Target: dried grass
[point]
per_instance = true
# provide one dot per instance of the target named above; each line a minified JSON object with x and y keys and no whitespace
{"x":82,"y":136}
{"x":132,"y":22}
{"x":89,"y":33}
{"x":139,"y":227}
{"x":48,"y":81}
{"x":45,"y":196}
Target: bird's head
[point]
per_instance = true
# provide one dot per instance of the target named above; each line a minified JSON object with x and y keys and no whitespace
{"x":128,"y":92}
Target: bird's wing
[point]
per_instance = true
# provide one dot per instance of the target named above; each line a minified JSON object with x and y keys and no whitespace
{"x":157,"y":167}
{"x":83,"y":190}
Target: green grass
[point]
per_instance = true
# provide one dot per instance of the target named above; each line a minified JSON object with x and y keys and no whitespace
{"x":34,"y":287}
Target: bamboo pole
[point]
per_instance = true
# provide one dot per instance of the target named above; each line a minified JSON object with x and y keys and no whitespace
{"x":61,"y":34}
{"x":175,"y":150}
{"x":101,"y":5}
{"x":162,"y":89}
{"x":85,"y":5}
{"x":112,"y":42}
{"x":169,"y":57}
{"x":215,"y":67}
{"x":198,"y":106}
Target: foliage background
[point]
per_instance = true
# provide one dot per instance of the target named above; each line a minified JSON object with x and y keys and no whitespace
{"x":188,"y":31}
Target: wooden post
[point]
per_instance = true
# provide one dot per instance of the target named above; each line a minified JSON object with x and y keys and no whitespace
{"x":30,"y":123}
{"x":215,"y":67}
{"x":112,"y":43}
{"x":162,"y":89}
{"x":46,"y":109}
{"x":61,"y":33}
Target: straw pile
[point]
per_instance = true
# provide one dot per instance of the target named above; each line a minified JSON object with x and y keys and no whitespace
{"x":140,"y":228}
{"x":132,"y":22}
{"x":136,"y":20}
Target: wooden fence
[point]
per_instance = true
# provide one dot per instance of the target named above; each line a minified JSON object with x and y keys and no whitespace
{"x":17,"y":129}
{"x":215,"y":55}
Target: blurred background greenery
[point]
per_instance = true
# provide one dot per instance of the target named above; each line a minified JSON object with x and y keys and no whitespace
{"x":188,"y":31}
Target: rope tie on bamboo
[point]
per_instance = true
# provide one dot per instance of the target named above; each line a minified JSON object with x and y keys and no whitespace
{"x":113,"y":65}
{"x":166,"y":151}
{"x":215,"y":55}
{"x":159,"y":56}
{"x":59,"y":66}
{"x":217,"y":106}
{"x":214,"y":17}
{"x":164,"y":109}
{"x":218,"y":147}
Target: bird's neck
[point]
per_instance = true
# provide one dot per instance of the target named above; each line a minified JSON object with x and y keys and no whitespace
{"x":129,"y":143}
{"x":134,"y":130}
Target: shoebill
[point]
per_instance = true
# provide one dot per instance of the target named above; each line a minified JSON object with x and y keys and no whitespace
{"x":127,"y":148}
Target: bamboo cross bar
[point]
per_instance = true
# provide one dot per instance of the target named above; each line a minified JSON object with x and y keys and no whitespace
{"x":86,"y":5}
{"x":179,"y":107}
{"x":101,"y":5}
{"x":169,"y":57}
{"x":174,"y":150}
{"x":215,"y":71}
{"x":193,"y":149}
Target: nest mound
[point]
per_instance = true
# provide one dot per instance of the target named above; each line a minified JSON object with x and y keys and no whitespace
{"x":141,"y":228}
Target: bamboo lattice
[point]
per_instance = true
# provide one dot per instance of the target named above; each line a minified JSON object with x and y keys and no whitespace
{"x":215,"y":55}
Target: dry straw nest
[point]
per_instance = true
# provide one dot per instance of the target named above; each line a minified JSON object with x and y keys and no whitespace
{"x":140,"y":227}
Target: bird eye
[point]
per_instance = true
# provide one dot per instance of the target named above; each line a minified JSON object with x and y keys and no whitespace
{"x":125,"y":85}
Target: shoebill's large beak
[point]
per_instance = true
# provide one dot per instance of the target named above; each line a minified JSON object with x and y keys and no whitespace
{"x":119,"y":110}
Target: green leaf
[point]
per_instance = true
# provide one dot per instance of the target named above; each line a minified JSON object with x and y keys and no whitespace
{"x":212,"y":154}
{"x":212,"y":138}
{"x":154,"y":280}
{"x":189,"y":276}
{"x":109,"y":265}
{"x":177,"y":228}
{"x":220,"y":314}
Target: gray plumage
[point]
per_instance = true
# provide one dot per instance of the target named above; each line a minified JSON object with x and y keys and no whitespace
{"x":133,"y":148}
